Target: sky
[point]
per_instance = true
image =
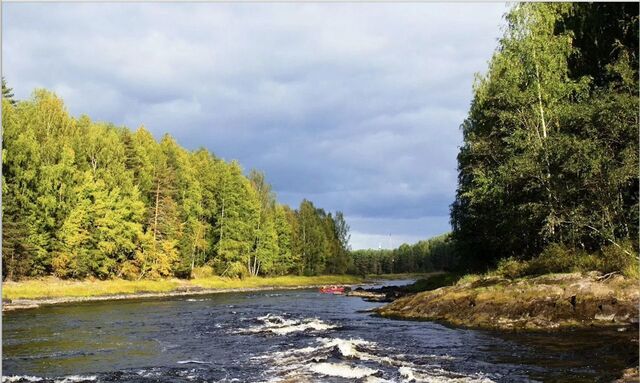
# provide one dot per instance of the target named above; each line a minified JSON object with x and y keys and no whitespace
{"x":356,"y":107}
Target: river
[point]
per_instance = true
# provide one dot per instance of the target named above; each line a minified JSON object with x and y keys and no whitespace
{"x":289,"y":336}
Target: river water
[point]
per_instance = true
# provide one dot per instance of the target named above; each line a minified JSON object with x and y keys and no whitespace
{"x":287,"y":336}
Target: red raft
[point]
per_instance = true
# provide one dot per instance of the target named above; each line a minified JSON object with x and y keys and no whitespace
{"x":332,"y":290}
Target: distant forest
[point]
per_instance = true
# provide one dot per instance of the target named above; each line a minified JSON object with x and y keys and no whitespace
{"x":434,"y":254}
{"x":548,"y":170}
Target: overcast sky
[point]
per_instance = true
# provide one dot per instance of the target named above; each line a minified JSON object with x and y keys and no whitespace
{"x":356,"y":107}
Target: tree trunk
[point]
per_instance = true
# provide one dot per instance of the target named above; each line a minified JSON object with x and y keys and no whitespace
{"x":544,"y":146}
{"x":155,"y":217}
{"x":193,"y":260}
{"x":542,"y":120}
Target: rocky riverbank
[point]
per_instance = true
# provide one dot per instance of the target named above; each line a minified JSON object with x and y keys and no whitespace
{"x":381,"y":294}
{"x":544,"y":302}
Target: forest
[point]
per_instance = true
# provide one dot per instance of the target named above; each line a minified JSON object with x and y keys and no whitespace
{"x":549,"y":162}
{"x":434,"y":254}
{"x":547,"y":178}
{"x":88,"y":199}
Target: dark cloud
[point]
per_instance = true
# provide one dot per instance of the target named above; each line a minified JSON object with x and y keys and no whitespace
{"x":354,"y":106}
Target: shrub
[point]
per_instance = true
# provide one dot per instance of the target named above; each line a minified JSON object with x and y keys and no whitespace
{"x":237,"y":270}
{"x":469,"y":278}
{"x":512,"y":268}
{"x":621,"y":258}
{"x":205,"y":271}
{"x":589,"y":262}
{"x":129,"y":271}
{"x":555,"y":258}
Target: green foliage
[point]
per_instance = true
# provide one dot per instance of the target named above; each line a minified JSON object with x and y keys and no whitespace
{"x":100,"y":232}
{"x":203,"y":272}
{"x":433,"y":282}
{"x":621,"y":258}
{"x":7,"y":93}
{"x":91,"y":200}
{"x":435,"y":254}
{"x":559,"y":258}
{"x":550,"y":153}
{"x":285,"y":262}
{"x":512,"y":268}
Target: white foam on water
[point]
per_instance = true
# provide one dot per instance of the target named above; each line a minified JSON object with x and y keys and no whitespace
{"x":342,"y":370}
{"x":346,"y":347}
{"x":63,"y":379}
{"x":375,"y":379}
{"x":305,"y":364}
{"x":438,"y":376}
{"x":278,"y":325}
{"x":18,"y":378}
{"x":196,"y":300}
{"x":276,"y":319}
{"x":349,"y":349}
{"x":76,"y":378}
{"x":315,"y":325}
{"x":192,"y":362}
{"x":296,"y":364}
{"x":149,"y":374}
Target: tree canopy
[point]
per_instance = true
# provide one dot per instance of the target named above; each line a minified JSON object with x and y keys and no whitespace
{"x":550,"y":152}
{"x":85,"y":199}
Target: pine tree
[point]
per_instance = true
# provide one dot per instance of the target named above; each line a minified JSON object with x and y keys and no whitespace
{"x":314,"y":246}
{"x":236,"y":221}
{"x":7,"y":93}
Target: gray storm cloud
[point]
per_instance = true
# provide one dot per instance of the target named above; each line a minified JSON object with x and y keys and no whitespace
{"x":354,"y":106}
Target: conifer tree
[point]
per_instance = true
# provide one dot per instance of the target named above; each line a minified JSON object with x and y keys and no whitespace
{"x":7,"y":93}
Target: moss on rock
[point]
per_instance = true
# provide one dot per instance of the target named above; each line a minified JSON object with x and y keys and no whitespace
{"x":544,"y":302}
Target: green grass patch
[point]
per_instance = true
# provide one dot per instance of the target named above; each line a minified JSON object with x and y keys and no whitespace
{"x":58,"y":288}
{"x":284,"y":281}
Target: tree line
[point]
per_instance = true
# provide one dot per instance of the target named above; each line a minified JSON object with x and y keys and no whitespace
{"x":89,"y":199}
{"x":549,"y":161}
{"x":550,"y":152}
{"x":434,"y":254}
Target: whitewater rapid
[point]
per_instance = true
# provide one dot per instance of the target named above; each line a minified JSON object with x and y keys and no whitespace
{"x":349,"y":359}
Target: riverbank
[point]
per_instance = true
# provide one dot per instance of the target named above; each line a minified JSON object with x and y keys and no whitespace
{"x":533,"y":303}
{"x":36,"y":292}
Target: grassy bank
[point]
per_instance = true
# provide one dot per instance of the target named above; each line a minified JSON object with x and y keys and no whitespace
{"x":51,"y":287}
